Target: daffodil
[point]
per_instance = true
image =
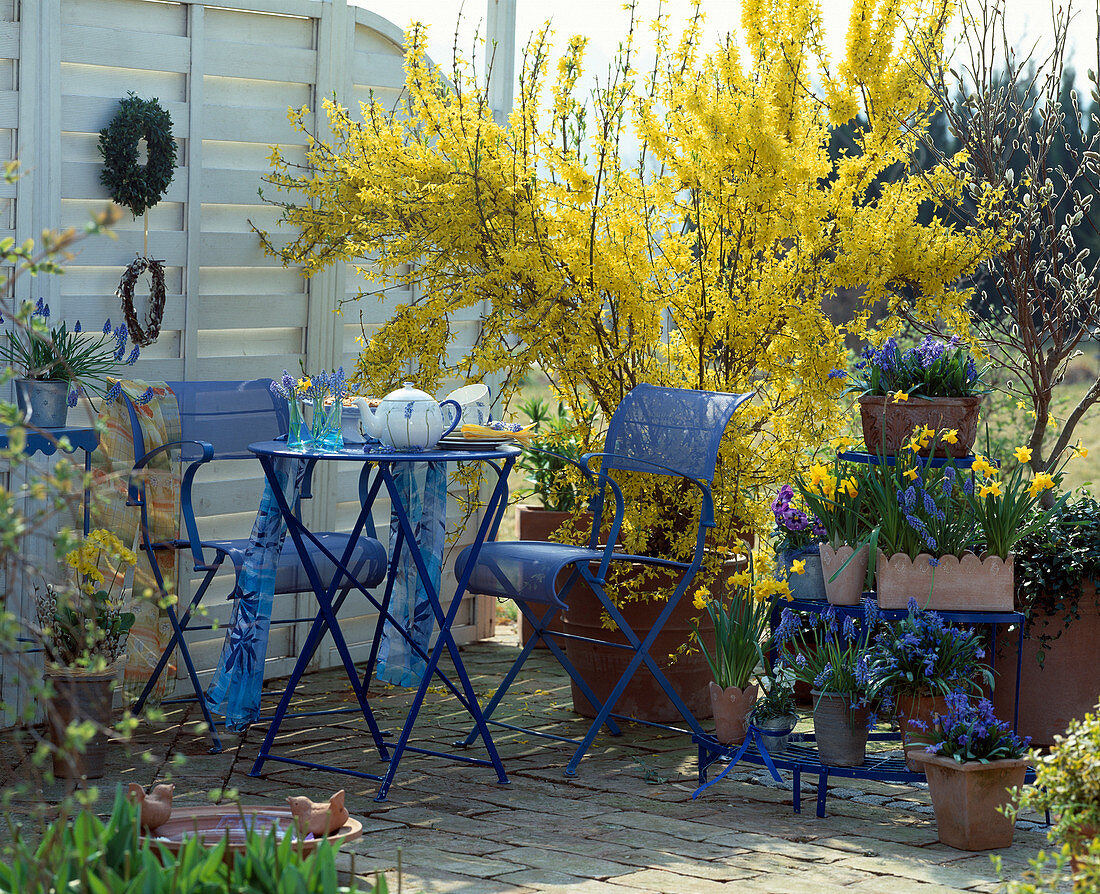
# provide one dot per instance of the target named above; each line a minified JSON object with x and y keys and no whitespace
{"x":899,"y":395}
{"x":1042,"y":481}
{"x":951,"y":436}
{"x":1022,"y":454}
{"x":798,"y":566}
{"x":981,"y":464}
{"x":1081,"y":451}
{"x":993,"y":489}
{"x":911,"y":474}
{"x":818,"y":473}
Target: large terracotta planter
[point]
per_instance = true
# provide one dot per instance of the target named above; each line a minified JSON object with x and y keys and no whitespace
{"x":536,"y":523}
{"x":888,"y":424}
{"x":967,"y":799}
{"x":840,"y":730}
{"x":731,"y":708}
{"x":971,"y":583}
{"x":78,"y":698}
{"x":920,"y":708}
{"x":846,"y":588}
{"x":601,"y":665}
{"x":1065,"y":686}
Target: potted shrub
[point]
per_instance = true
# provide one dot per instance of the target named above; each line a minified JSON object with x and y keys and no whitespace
{"x":1067,"y":783}
{"x":949,"y":533}
{"x":740,"y":618}
{"x":835,"y":657}
{"x":935,"y":384}
{"x":973,"y":763}
{"x":1057,"y":566}
{"x":920,"y":660}
{"x":55,"y":365}
{"x":835,"y":497}
{"x":84,"y":626}
{"x":775,"y":715}
{"x":797,"y":541}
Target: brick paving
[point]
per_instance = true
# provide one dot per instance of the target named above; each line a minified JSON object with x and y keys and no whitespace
{"x":625,"y":824}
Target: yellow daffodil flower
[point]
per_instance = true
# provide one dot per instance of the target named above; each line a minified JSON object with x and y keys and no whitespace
{"x":1042,"y":481}
{"x":1022,"y":454}
{"x":1080,"y":451}
{"x":818,"y":473}
{"x":993,"y":489}
{"x":899,"y":395}
{"x":798,"y":566}
{"x":911,"y":474}
{"x":981,"y":464}
{"x":928,"y":434}
{"x":849,"y":486}
{"x":951,"y":436}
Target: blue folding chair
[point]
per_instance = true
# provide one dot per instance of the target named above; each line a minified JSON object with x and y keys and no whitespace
{"x":670,"y":432}
{"x":218,"y":420}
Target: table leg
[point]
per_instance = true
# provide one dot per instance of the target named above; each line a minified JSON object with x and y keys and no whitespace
{"x":445,"y":639}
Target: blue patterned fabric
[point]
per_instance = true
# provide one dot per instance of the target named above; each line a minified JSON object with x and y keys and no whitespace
{"x":234,"y":691}
{"x":423,"y":489}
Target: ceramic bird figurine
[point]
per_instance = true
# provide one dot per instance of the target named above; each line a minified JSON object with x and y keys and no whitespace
{"x":156,"y":806}
{"x":319,"y":818}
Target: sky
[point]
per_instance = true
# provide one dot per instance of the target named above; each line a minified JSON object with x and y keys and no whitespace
{"x":604,"y":22}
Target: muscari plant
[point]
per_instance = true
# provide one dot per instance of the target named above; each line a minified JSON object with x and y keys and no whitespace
{"x":970,"y":731}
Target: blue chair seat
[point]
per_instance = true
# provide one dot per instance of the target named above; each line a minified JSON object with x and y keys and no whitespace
{"x":368,"y":562}
{"x":526,"y":570}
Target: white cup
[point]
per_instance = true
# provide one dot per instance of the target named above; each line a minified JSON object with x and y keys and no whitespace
{"x":475,"y":403}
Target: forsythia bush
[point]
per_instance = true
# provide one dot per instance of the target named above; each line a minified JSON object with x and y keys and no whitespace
{"x":682,"y":225}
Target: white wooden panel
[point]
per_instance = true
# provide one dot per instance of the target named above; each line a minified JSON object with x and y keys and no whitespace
{"x":140,"y":49}
{"x":243,"y":311}
{"x":236,"y":156}
{"x":383,"y":70}
{"x":253,"y":342}
{"x":103,"y":80}
{"x":247,"y":281}
{"x":237,"y":249}
{"x":9,"y":109}
{"x":237,"y":187}
{"x":255,"y":126}
{"x":156,"y":18}
{"x":269,"y":31}
{"x":104,"y":280}
{"x":241,"y":218}
{"x":167,"y":245}
{"x":232,"y":58}
{"x":260,"y":94}
{"x":80,"y":180}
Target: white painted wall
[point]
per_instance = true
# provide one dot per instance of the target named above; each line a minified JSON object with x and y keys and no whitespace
{"x":226,"y":70}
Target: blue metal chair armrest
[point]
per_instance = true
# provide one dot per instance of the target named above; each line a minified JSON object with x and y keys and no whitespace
{"x":137,"y":498}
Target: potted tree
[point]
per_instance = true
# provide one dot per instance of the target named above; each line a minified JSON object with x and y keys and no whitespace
{"x":920,"y":660}
{"x":973,"y":763}
{"x":1057,"y":566}
{"x":84,"y":626}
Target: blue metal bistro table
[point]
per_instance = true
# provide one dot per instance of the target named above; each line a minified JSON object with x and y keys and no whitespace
{"x":377,"y":470}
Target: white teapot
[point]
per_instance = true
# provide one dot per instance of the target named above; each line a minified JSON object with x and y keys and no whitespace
{"x":407,"y":419}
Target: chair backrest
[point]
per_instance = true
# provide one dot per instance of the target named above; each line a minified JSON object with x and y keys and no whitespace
{"x":230,"y":415}
{"x":675,"y":427}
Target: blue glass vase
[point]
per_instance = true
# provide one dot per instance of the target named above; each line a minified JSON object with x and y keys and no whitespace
{"x":326,"y":433}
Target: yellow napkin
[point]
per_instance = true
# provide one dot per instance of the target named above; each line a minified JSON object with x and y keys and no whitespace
{"x":474,"y":432}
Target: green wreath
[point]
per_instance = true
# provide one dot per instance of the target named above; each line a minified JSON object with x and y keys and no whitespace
{"x":130,"y":184}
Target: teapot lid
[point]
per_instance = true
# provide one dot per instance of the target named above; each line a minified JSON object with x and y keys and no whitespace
{"x":408,"y":392}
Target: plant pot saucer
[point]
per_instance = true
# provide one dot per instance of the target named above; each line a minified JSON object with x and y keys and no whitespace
{"x":212,"y":823}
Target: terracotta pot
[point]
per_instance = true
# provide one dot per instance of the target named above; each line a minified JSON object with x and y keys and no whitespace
{"x":888,"y":424}
{"x":601,"y":665}
{"x":776,"y":732}
{"x":846,"y":588}
{"x":731,"y":708}
{"x":1065,"y":686}
{"x":77,"y":698}
{"x":972,"y":583}
{"x":810,"y":584}
{"x":919,"y":707}
{"x":840,"y":730}
{"x":967,"y":799}
{"x":536,"y":523}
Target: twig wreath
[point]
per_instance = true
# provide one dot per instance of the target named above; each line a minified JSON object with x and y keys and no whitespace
{"x":139,"y":188}
{"x":139,"y":335}
{"x":131,"y":185}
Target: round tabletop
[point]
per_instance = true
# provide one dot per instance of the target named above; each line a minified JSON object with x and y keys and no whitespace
{"x":379,"y":454}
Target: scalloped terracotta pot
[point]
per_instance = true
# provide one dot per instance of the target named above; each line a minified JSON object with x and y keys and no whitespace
{"x":972,"y":583}
{"x":846,"y":588}
{"x":731,"y":708}
{"x":967,"y":799}
{"x":888,"y":424}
